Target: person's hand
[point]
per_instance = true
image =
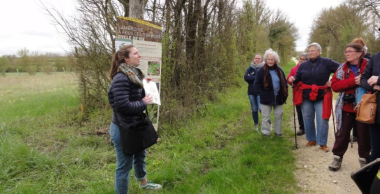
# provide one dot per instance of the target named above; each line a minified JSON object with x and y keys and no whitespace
{"x":357,"y":80}
{"x":328,"y":83}
{"x":376,"y":87}
{"x":372,"y":80}
{"x":291,"y":79}
{"x":148,"y":99}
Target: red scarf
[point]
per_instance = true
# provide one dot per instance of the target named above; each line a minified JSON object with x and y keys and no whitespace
{"x":327,"y":98}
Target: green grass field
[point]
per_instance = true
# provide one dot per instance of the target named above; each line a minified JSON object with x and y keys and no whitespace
{"x":44,"y":149}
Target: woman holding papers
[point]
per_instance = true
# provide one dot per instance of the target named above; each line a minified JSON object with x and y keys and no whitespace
{"x":127,"y":98}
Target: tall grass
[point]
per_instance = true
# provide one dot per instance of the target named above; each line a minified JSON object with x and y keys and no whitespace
{"x":43,"y":149}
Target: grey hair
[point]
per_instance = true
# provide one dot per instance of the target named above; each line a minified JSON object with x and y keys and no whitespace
{"x":315,"y":45}
{"x":273,"y":53}
{"x":258,"y":54}
{"x":304,"y":55}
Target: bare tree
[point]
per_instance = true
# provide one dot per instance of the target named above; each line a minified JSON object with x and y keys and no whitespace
{"x":92,"y":34}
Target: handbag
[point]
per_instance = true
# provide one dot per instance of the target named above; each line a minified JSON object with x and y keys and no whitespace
{"x":366,"y":108}
{"x":138,"y":135}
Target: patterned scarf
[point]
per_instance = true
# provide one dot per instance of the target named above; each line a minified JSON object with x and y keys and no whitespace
{"x":268,"y":79}
{"x":339,"y":102}
{"x":134,"y":74}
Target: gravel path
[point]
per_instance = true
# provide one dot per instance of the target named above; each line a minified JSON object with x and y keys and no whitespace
{"x":313,"y":175}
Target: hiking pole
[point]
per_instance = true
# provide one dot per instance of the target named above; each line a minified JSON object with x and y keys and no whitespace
{"x":352,"y":137}
{"x":294,"y":120}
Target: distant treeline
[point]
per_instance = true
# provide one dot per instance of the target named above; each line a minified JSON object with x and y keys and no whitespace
{"x":32,"y":62}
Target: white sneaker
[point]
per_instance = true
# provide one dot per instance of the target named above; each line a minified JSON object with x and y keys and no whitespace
{"x":257,"y":127}
{"x":151,"y":186}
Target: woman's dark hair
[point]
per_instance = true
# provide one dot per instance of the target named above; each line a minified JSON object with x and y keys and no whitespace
{"x":118,"y":58}
{"x":357,"y":47}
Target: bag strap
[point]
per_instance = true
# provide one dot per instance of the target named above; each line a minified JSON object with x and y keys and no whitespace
{"x":117,"y":120}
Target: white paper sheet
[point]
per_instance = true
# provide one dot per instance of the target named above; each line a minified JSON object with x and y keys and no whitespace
{"x":151,"y":88}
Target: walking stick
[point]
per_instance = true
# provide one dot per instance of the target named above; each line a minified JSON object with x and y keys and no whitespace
{"x":352,"y":137}
{"x":294,"y":120}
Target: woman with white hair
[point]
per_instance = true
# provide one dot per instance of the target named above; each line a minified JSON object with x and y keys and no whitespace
{"x":314,"y":75}
{"x":270,"y":83}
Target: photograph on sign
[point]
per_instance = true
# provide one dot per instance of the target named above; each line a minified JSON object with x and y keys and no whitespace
{"x":121,"y":42}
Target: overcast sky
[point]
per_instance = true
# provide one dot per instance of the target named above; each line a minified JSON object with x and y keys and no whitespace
{"x":301,"y":13}
{"x":25,"y":25}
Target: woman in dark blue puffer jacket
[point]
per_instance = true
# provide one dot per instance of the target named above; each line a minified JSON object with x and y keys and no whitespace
{"x":126,"y":96}
{"x":254,"y":98}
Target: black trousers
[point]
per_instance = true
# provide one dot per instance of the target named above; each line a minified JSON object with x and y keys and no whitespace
{"x":300,"y":118}
{"x":342,"y":138}
{"x":374,"y":130}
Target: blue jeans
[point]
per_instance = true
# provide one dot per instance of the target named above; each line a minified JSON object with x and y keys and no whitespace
{"x":124,"y":163}
{"x":374,"y":132}
{"x":255,"y":106}
{"x":310,"y":110}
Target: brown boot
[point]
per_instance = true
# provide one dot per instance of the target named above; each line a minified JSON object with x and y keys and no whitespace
{"x":311,"y":143}
{"x":325,"y":148}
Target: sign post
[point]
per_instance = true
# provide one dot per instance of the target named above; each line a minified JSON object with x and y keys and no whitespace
{"x":146,"y":37}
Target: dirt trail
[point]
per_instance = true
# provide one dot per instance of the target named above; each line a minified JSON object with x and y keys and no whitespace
{"x":313,"y":175}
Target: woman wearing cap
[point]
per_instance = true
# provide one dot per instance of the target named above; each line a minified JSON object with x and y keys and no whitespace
{"x":303,"y":57}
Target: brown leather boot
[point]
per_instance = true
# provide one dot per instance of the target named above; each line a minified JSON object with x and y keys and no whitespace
{"x":311,"y":143}
{"x":325,"y":148}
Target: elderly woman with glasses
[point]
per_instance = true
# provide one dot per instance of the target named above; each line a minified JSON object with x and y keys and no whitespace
{"x":314,"y":75}
{"x":303,"y":57}
{"x":346,"y":81}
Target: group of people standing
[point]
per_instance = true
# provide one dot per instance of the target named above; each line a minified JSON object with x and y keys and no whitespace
{"x":267,"y":90}
{"x":312,"y":97}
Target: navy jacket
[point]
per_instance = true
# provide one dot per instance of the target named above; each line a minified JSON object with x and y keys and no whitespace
{"x":126,"y":99}
{"x":267,"y":96}
{"x":373,"y":68}
{"x":316,"y":72}
{"x":250,"y":79}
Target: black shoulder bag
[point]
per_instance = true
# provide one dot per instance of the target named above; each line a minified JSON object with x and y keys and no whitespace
{"x":138,"y":135}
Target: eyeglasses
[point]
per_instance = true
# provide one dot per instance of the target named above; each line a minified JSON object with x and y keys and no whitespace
{"x":345,"y":52}
{"x":311,"y":51}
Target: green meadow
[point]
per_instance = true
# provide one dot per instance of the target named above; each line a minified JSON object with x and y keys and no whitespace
{"x":45,"y":149}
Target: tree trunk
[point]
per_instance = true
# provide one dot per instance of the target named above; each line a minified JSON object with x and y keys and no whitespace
{"x":125,"y":4}
{"x":136,"y":9}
